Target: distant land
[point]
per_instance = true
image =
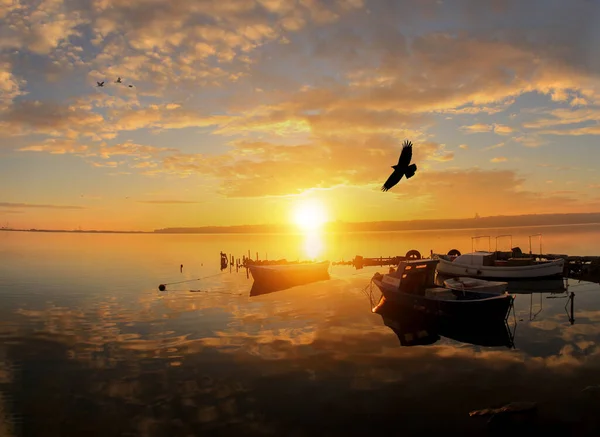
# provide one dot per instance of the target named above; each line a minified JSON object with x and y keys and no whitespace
{"x":339,"y":226}
{"x":411,"y":225}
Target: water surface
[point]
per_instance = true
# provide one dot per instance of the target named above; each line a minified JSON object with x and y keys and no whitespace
{"x":91,"y":347}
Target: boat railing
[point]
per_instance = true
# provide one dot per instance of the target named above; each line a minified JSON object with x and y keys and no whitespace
{"x":540,"y":241}
{"x":477,"y":238}
{"x":503,"y":236}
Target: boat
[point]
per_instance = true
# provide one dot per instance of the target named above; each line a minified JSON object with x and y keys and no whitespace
{"x":486,"y":265}
{"x":465,"y":283}
{"x":501,"y":265}
{"x":412,"y":285}
{"x":279,"y":277}
{"x":416,"y":329}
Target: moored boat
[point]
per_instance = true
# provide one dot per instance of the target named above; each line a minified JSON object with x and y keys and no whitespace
{"x":485,"y":265}
{"x":289,"y":275}
{"x":412,"y":285}
{"x":473,"y":284}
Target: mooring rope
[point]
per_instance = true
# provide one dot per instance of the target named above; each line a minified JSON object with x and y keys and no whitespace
{"x":163,"y":287}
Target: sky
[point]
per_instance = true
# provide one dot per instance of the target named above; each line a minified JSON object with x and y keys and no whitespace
{"x":241,"y":110}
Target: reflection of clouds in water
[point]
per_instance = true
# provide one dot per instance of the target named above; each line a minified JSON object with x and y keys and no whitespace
{"x":184,"y":363}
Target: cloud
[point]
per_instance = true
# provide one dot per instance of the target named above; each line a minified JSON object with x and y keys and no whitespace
{"x":479,"y":189}
{"x":39,"y":27}
{"x":494,"y":146}
{"x":36,"y":205}
{"x":56,"y":147}
{"x":562,"y":117}
{"x":480,"y":127}
{"x":169,"y":202}
{"x":502,"y":129}
{"x":498,"y":159}
{"x":110,"y":164}
{"x":132,"y":149}
{"x":38,"y":117}
{"x":589,"y":130}
{"x":464,"y":147}
{"x":530,"y":140}
{"x":10,"y":86}
{"x":259,"y":168}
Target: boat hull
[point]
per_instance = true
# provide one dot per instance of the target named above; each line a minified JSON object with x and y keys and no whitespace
{"x":550,"y":269}
{"x":489,"y":309}
{"x":271,"y":277}
{"x":474,"y":284}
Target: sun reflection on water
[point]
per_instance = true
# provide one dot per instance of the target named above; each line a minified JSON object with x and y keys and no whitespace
{"x":314,"y":244}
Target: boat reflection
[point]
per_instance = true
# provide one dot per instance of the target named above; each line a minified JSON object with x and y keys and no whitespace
{"x":552,"y":288}
{"x":414,"y":328}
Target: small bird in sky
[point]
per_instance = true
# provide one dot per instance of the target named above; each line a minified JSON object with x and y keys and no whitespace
{"x":100,"y":84}
{"x":402,"y":168}
{"x":118,"y":80}
{"x":130,"y":86}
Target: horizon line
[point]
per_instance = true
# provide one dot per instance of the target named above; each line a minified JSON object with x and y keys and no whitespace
{"x":261,"y":228}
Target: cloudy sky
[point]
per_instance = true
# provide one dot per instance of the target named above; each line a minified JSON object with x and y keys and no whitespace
{"x":240,"y":109}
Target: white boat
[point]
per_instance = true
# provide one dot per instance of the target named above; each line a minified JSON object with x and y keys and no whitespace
{"x":485,"y":265}
{"x":474,"y":284}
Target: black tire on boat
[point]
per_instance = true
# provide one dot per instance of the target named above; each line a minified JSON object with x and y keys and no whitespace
{"x":413,"y":254}
{"x":454,"y":252}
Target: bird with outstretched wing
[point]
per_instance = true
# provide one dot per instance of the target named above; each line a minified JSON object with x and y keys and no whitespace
{"x":403,"y":168}
{"x":100,"y":84}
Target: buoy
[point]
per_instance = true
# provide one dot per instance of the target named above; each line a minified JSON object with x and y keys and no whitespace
{"x":454,"y":252}
{"x":162,"y":287}
{"x":413,"y":254}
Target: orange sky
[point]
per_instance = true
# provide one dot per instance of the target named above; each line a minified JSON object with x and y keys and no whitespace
{"x":239,"y":110}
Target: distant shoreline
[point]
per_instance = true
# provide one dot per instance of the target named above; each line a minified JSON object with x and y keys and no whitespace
{"x":495,"y":222}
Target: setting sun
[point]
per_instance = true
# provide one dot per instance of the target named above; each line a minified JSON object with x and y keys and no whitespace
{"x":310,"y":215}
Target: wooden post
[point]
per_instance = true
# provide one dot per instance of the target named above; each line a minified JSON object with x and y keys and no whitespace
{"x":572,"y":308}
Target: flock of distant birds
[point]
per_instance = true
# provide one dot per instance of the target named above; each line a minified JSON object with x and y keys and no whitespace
{"x":403,"y":168}
{"x":101,"y":84}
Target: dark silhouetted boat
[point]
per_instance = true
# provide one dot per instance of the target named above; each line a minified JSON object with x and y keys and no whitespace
{"x":413,"y":285}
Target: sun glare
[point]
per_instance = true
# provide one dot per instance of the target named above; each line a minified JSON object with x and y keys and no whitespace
{"x":310,"y":215}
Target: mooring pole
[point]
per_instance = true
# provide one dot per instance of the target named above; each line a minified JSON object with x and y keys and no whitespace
{"x":572,"y":308}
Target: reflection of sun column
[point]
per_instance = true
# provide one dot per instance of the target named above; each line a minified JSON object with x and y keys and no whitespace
{"x":310,"y":216}
{"x":313,"y":243}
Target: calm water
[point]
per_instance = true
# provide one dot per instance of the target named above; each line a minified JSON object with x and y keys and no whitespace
{"x":89,"y":346}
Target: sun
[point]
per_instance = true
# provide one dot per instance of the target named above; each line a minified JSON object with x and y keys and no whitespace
{"x":310,"y":215}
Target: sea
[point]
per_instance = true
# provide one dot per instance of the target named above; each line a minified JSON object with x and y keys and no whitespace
{"x":89,"y":346}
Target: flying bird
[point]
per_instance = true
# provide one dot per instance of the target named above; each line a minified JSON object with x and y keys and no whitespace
{"x":100,"y":83}
{"x":130,"y":86}
{"x":402,"y":168}
{"x":118,"y":80}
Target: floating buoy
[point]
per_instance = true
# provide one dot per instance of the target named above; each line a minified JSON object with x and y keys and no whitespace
{"x":162,"y":287}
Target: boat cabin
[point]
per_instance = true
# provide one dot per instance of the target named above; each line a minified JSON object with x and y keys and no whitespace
{"x":490,"y":259}
{"x":416,"y":277}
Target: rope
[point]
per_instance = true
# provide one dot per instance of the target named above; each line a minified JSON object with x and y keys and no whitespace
{"x":190,"y":280}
